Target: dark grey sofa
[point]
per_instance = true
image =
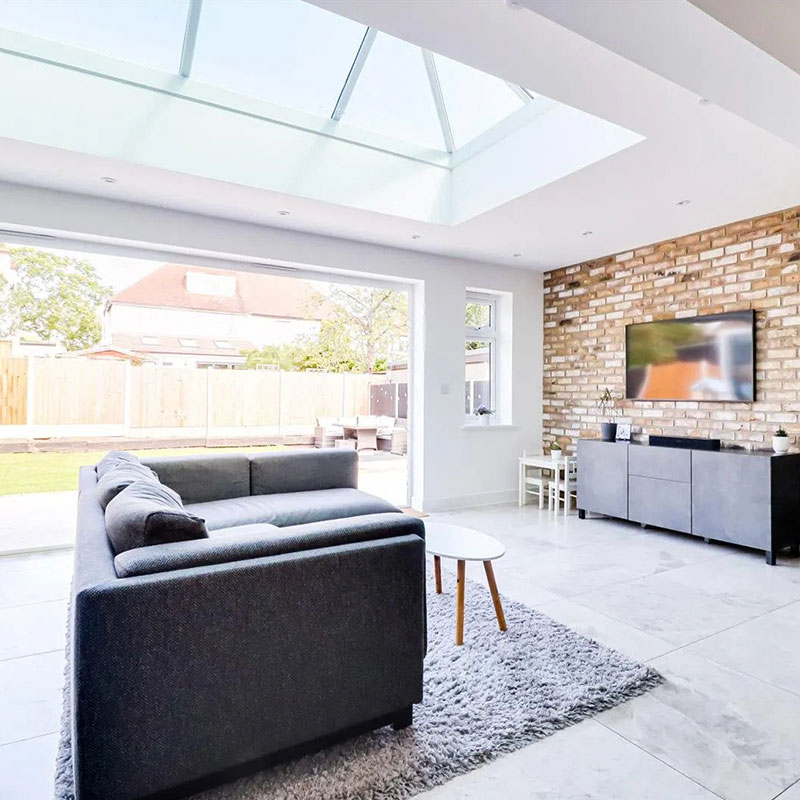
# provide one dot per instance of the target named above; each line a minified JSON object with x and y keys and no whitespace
{"x":300,"y":618}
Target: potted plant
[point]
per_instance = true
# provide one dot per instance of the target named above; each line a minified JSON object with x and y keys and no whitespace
{"x":780,"y":440}
{"x":555,"y":451}
{"x":606,"y":404}
{"x":483,"y":413}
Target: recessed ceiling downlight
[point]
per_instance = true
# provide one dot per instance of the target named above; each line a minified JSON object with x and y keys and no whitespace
{"x":516,"y":255}
{"x":683,"y":202}
{"x":588,"y":233}
{"x":108,"y":179}
{"x":284,"y":213}
{"x":416,"y":236}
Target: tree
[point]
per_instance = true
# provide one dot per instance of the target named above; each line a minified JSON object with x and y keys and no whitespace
{"x":330,"y":351}
{"x":371,"y":321}
{"x":358,"y":334}
{"x":53,"y":297}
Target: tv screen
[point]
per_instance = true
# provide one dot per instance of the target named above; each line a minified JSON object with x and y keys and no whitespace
{"x":698,"y":358}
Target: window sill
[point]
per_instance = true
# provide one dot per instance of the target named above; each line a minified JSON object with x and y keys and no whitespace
{"x":498,"y":426}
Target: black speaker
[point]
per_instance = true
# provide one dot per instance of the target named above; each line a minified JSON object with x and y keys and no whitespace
{"x":687,"y":442}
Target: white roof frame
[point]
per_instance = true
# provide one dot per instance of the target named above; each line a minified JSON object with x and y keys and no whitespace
{"x":438,"y":99}
{"x":190,"y":37}
{"x":354,"y":73}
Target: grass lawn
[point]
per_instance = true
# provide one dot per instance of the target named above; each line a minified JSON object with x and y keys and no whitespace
{"x":29,"y":473}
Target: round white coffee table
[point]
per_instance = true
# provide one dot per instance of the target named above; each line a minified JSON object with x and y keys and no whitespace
{"x":443,"y":540}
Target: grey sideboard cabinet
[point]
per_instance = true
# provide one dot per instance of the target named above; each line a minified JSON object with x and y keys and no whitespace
{"x":745,"y":498}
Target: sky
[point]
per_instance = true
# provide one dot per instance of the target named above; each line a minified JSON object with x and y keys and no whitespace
{"x":118,"y":272}
{"x":287,"y":52}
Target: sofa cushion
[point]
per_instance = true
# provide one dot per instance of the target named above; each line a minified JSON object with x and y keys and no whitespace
{"x":147,"y":513}
{"x":303,"y":471}
{"x":123,"y":475}
{"x":114,"y":459}
{"x":290,"y":508}
{"x":199,"y":479}
{"x":264,"y":540}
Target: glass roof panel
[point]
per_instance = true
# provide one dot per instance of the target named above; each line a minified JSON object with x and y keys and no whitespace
{"x":289,"y":53}
{"x":393,"y":96}
{"x":475,"y":100}
{"x":148,"y":32}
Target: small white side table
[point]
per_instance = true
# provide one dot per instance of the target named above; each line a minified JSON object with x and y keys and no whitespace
{"x":444,"y":540}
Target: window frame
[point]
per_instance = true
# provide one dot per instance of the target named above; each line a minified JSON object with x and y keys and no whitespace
{"x":488,"y":334}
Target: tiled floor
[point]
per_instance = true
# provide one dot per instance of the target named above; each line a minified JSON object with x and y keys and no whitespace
{"x":721,"y":626}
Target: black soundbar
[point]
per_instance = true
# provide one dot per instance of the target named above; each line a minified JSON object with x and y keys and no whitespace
{"x":687,"y":442}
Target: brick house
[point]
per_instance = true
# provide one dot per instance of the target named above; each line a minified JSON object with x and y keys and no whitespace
{"x":196,"y":316}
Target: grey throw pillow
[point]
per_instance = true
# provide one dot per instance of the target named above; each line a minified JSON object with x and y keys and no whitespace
{"x":147,"y":513}
{"x":113,"y":459}
{"x":118,"y":478}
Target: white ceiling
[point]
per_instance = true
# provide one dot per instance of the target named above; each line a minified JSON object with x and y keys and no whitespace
{"x":641,"y":65}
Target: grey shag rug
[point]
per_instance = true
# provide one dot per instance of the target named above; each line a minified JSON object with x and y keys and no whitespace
{"x":496,"y":694}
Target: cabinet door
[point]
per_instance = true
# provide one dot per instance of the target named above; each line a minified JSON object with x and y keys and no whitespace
{"x":731,"y":498}
{"x":668,"y":463}
{"x":603,"y":477}
{"x":664,"y":504}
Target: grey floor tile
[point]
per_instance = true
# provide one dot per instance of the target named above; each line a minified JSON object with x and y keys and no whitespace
{"x":30,"y":629}
{"x":792,"y":793}
{"x":733,"y":734}
{"x":672,"y":611}
{"x":30,"y":696}
{"x":27,"y":769}
{"x":767,"y":648}
{"x":585,"y":762}
{"x":624,"y":638}
{"x":741,"y":578}
{"x":35,"y":578}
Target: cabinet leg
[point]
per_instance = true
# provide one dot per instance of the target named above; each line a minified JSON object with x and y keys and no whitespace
{"x":706,"y":540}
{"x":770,"y":558}
{"x":581,"y":513}
{"x":643,"y":525}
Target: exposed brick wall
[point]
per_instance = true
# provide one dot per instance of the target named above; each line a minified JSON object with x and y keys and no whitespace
{"x":751,"y":264}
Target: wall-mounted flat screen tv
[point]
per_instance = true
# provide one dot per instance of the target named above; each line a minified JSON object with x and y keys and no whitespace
{"x":698,"y":358}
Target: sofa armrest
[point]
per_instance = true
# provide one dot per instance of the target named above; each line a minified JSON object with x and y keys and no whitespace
{"x":256,"y":541}
{"x":186,"y":673}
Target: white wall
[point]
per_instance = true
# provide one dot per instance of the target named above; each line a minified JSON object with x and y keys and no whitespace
{"x":453,"y":465}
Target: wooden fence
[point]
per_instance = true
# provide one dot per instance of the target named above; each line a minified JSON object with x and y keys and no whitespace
{"x":84,"y":393}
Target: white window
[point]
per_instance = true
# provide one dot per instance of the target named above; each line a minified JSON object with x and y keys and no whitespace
{"x":151,"y":340}
{"x":480,"y":354}
{"x":223,"y":344}
{"x":188,"y":342}
{"x":210,"y":284}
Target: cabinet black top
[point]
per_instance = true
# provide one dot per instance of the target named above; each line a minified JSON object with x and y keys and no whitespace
{"x":739,"y":451}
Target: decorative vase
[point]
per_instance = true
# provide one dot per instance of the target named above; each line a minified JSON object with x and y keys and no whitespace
{"x":609,"y":431}
{"x":556,"y":455}
{"x":484,"y":419}
{"x":780,"y":444}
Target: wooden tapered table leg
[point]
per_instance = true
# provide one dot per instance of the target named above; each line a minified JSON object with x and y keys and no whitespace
{"x":462,"y":580}
{"x":498,"y":606}
{"x":437,"y":569}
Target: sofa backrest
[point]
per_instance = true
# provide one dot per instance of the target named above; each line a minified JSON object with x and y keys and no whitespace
{"x":303,"y":471}
{"x":201,"y":479}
